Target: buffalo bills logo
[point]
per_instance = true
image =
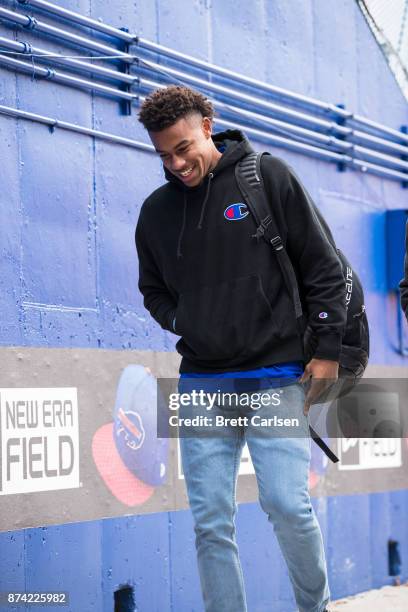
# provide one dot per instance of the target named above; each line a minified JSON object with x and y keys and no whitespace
{"x":129,"y":426}
{"x":236,"y":212}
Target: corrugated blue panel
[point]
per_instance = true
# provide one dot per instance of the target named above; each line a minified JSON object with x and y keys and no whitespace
{"x":289,"y":44}
{"x":10,"y":231}
{"x":121,"y":304}
{"x":399,"y":526}
{"x":265,"y":574}
{"x":135,"y":551}
{"x":10,"y":217}
{"x":12,"y":565}
{"x":358,"y":228}
{"x":395,"y":246}
{"x":185,"y":583}
{"x":58,"y":238}
{"x":335,"y":65}
{"x":244,"y":52}
{"x":380,"y":516}
{"x":98,"y":557}
{"x":355,"y":530}
{"x":184,"y":26}
{"x":66,"y":558}
{"x":45,"y":326}
{"x":44,"y":96}
{"x":349,"y":544}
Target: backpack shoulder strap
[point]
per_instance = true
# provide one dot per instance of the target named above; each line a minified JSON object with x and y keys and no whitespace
{"x":250,"y":182}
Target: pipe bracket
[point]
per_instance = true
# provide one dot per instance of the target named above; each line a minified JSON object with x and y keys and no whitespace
{"x":53,"y":125}
{"x":27,"y":48}
{"x":125,"y":105}
{"x":404,"y":157}
{"x":341,"y":166}
{"x":50,"y":74}
{"x":32,"y":23}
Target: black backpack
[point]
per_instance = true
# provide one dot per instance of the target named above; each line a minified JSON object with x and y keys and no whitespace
{"x":355,"y":343}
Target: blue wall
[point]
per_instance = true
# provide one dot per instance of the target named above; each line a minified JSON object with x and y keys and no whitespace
{"x":69,"y":278}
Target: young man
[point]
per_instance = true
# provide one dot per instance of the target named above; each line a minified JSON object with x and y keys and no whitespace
{"x":205,"y":277}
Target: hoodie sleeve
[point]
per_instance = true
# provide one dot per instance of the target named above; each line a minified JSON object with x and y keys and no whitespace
{"x":316,"y":262}
{"x":404,"y":283}
{"x":156,"y":297}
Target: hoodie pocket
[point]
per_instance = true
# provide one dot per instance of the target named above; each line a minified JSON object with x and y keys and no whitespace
{"x":233,"y":318}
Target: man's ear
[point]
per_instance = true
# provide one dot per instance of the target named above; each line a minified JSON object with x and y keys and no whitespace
{"x":207,"y":127}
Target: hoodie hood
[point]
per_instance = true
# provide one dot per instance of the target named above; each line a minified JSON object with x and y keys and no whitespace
{"x":233,"y":145}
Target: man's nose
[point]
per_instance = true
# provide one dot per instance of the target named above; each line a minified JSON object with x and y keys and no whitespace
{"x":177,"y":163}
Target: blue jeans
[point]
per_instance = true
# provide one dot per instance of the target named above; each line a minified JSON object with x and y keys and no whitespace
{"x":281,"y":463}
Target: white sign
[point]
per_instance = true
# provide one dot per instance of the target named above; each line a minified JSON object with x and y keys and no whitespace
{"x":245,"y":467}
{"x":369,"y":453}
{"x":39,"y":447}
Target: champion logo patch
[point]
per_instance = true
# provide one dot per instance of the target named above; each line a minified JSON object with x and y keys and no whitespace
{"x":323,"y":315}
{"x":236,"y":212}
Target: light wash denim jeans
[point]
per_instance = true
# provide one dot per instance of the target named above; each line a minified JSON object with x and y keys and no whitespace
{"x":281,"y":463}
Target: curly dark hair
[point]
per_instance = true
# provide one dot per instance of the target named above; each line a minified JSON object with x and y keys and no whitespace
{"x":163,"y":107}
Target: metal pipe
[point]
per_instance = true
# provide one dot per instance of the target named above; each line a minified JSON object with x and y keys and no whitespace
{"x":329,"y":126}
{"x":381,"y":156}
{"x":399,"y":149}
{"x":229,"y":74}
{"x":280,"y":141}
{"x":29,"y":22}
{"x":61,"y":77}
{"x":361,"y":165}
{"x":330,"y":141}
{"x":358,"y":120}
{"x":227,"y":92}
{"x":367,"y":166}
{"x":106,"y":136}
{"x":28,"y":49}
{"x":72,"y":127}
{"x":182,"y":57}
{"x":67,"y":79}
{"x":278,"y":124}
{"x":325,"y":140}
{"x":249,"y":81}
{"x":223,"y":72}
{"x":81,"y":19}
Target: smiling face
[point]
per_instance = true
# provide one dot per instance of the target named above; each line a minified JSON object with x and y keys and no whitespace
{"x":187,"y":149}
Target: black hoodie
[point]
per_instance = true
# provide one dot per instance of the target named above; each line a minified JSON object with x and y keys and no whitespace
{"x":201,"y":266}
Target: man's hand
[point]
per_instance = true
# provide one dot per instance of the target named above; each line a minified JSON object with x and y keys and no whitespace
{"x":320,"y":374}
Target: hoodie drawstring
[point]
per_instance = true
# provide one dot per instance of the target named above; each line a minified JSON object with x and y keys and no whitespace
{"x":183,"y":225}
{"x":200,"y":223}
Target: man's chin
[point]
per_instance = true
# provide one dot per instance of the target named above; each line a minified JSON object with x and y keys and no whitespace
{"x":195,"y":181}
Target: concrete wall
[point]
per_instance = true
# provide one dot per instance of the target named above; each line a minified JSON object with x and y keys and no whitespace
{"x":69,"y":205}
